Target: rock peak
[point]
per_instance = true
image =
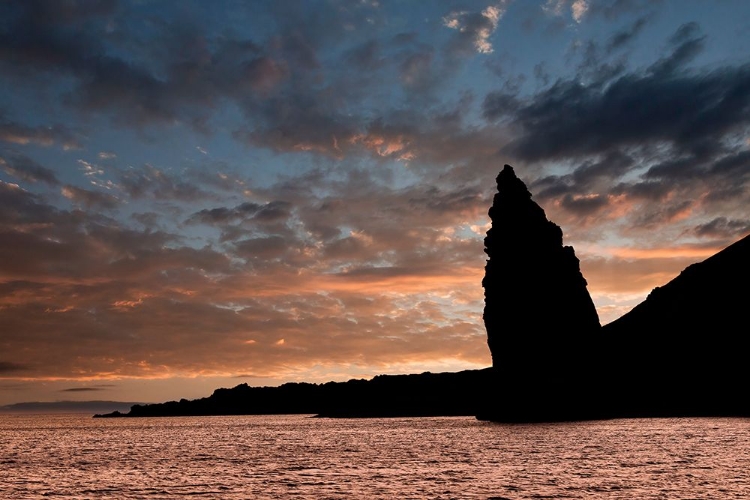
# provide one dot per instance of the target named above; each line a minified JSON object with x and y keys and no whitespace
{"x":536,"y":301}
{"x":510,"y":185}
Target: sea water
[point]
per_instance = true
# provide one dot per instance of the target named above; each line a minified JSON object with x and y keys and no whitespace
{"x":299,"y":457}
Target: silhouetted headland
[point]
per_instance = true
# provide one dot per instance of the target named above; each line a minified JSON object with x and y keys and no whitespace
{"x":680,"y":353}
{"x":418,"y":395}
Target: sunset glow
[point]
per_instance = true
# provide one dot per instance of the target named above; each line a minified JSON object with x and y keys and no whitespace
{"x":199,"y":194}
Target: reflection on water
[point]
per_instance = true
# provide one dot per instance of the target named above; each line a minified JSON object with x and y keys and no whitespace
{"x":73,"y":456}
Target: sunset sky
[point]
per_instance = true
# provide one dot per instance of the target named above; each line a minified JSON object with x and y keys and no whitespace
{"x":198,"y":194}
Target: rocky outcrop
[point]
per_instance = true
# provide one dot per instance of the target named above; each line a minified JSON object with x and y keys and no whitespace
{"x":541,"y":322}
{"x":683,"y":351}
{"x":416,"y":395}
{"x":680,"y":353}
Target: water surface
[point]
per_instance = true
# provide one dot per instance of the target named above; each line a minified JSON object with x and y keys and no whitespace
{"x":266,"y":457}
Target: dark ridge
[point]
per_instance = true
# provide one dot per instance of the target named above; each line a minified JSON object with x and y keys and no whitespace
{"x":424,"y":395}
{"x":683,"y":350}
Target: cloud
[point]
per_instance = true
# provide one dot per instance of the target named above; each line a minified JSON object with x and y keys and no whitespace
{"x":625,"y":37}
{"x":633,"y":110}
{"x":653,"y":152}
{"x":82,"y":389}
{"x":221,"y":215}
{"x":7,"y":367}
{"x":358,"y":207}
{"x":150,"y":182}
{"x":24,"y":168}
{"x":577,"y":8}
{"x":16,"y":133}
{"x":88,"y":198}
{"x":687,"y":45}
{"x":723,"y":228}
{"x":300,"y":260}
{"x":263,"y":248}
{"x":474,"y":29}
{"x":612,"y":10}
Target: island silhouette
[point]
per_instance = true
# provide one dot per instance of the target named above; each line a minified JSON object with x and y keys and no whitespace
{"x":680,"y":353}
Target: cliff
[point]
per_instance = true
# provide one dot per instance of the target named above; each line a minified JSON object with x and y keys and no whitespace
{"x":541,"y":322}
{"x":679,"y":353}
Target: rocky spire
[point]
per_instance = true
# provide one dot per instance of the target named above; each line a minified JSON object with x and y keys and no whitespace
{"x":538,"y":312}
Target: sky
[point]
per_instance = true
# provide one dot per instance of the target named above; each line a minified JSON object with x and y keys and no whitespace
{"x":199,"y":194}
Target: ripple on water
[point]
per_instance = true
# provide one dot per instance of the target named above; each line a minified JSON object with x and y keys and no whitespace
{"x":271,"y":457}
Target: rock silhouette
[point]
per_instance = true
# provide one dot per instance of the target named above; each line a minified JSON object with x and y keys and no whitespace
{"x":680,"y":353}
{"x":541,"y":322}
{"x":423,"y":395}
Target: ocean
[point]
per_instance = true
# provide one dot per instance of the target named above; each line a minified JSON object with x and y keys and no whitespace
{"x":299,"y":457}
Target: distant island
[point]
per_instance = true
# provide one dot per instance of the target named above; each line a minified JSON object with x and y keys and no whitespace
{"x":679,"y":353}
{"x":66,"y":406}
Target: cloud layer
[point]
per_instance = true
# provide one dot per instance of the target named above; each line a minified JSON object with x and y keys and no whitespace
{"x":299,"y":190}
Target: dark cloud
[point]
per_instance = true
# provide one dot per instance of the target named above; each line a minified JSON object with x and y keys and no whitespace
{"x":48,"y":34}
{"x":82,"y":389}
{"x":147,"y":219}
{"x":273,"y":211}
{"x":90,"y":199}
{"x":721,"y":227}
{"x":728,"y":172}
{"x":307,"y":120}
{"x":7,"y":367}
{"x":687,"y":45}
{"x":584,"y":205}
{"x":591,"y":175}
{"x":17,"y":133}
{"x":573,"y":120}
{"x":291,"y":100}
{"x":154,"y":183}
{"x":541,"y":75}
{"x":659,"y":216}
{"x":498,"y":105}
{"x":645,"y":147}
{"x":248,"y":219}
{"x":665,"y":104}
{"x":643,"y":190}
{"x":140,"y":98}
{"x":345,"y":248}
{"x":368,"y":55}
{"x":269,"y":247}
{"x":624,"y":37}
{"x":70,"y":12}
{"x":686,"y":33}
{"x":614,"y":9}
{"x":41,"y":240}
{"x":21,"y":207}
{"x":454,"y":202}
{"x":24,"y":168}
{"x":416,"y":69}
{"x":141,"y":89}
{"x":223,"y":215}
